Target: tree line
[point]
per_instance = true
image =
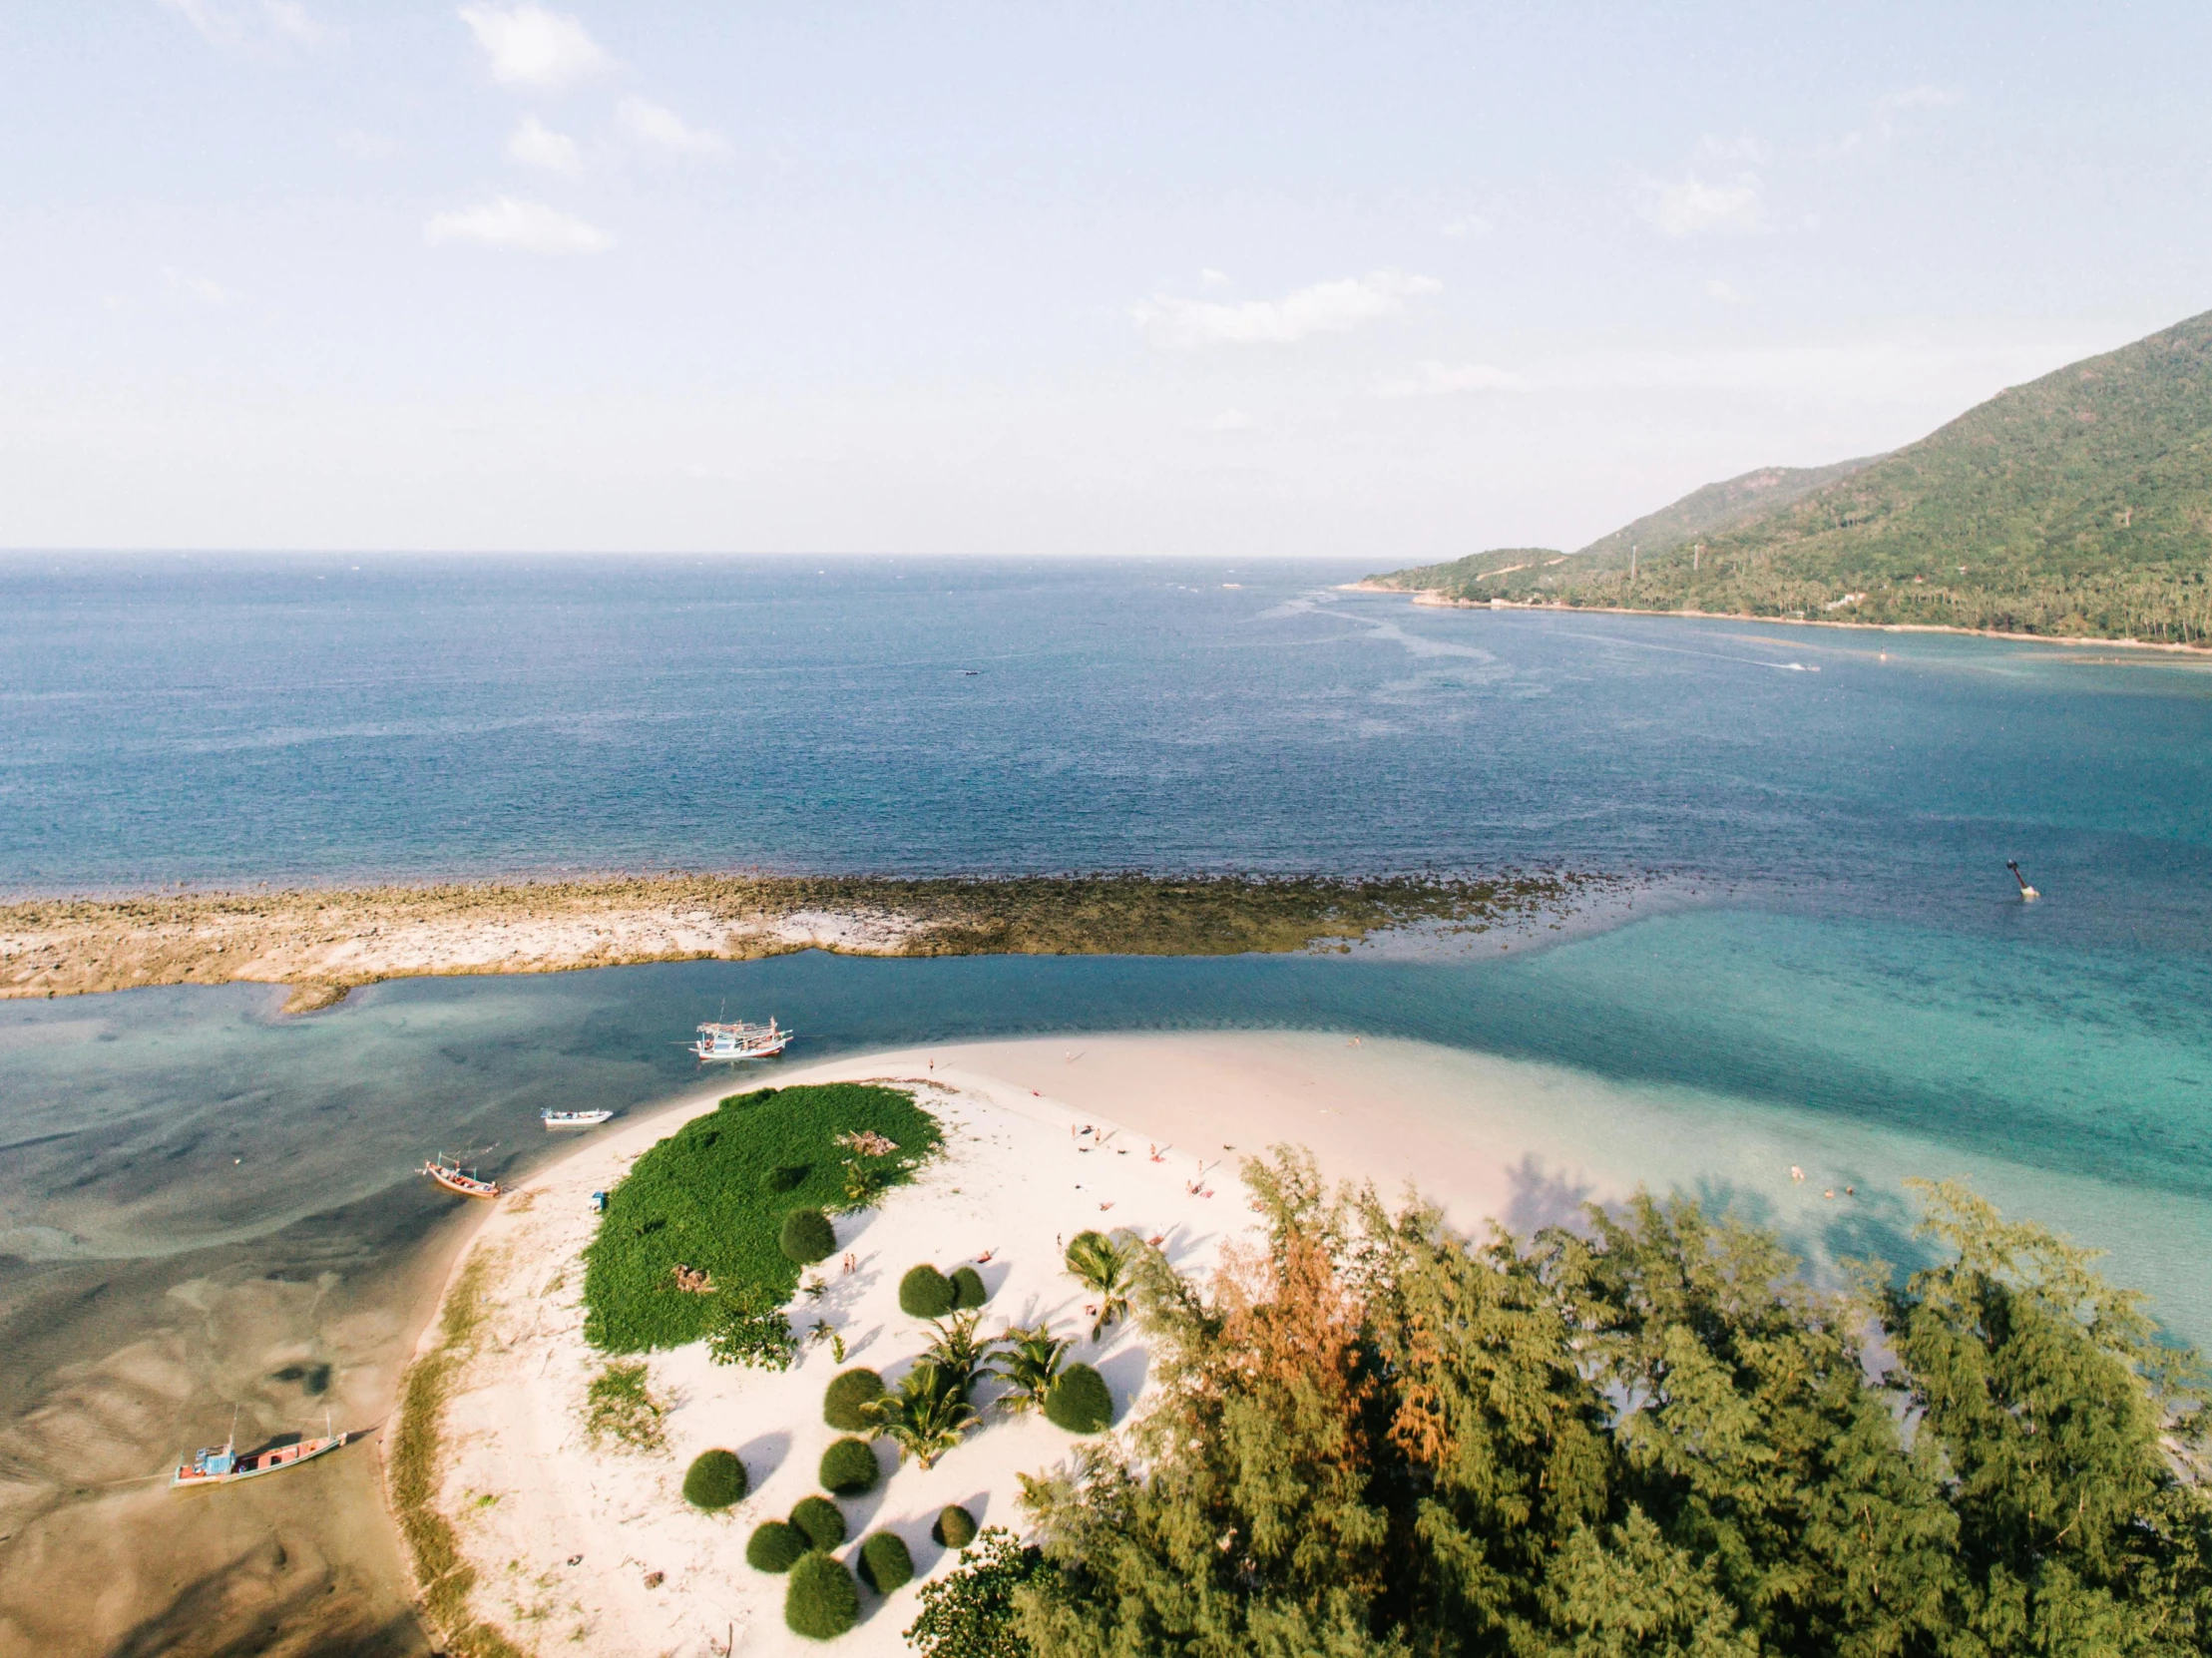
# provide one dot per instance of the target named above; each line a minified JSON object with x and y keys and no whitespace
{"x":1643,"y":1435}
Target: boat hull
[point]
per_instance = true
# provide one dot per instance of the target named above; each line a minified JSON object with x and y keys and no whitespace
{"x":575,"y":1119}
{"x":190,"y":1476}
{"x":453,"y":1180}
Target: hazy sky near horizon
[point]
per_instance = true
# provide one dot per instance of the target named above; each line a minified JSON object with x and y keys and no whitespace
{"x":1382,"y":282}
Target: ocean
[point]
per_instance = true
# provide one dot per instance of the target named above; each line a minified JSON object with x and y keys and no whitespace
{"x":1829,"y":964}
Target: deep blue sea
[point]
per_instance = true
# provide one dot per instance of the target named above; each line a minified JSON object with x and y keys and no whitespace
{"x":1835,"y":959}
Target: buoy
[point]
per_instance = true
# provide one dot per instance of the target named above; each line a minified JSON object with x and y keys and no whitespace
{"x":2029,"y":893}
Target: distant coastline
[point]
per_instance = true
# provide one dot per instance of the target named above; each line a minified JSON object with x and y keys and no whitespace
{"x":1439,"y":599}
{"x":324,"y":943}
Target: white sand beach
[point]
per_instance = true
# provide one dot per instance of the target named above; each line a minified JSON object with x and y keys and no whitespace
{"x":578,"y":1547}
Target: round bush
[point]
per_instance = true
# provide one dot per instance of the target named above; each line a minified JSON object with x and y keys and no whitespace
{"x":955,"y":1527}
{"x":821,"y":1521}
{"x":807,"y":1237}
{"x":968,"y":1290}
{"x":716,"y":1479}
{"x":820,"y":1602}
{"x":784,"y":1177}
{"x":885,"y":1564}
{"x":849,"y":1467}
{"x":925,"y":1292}
{"x":1078,"y":1401}
{"x":848,"y":1392}
{"x":774,"y":1546}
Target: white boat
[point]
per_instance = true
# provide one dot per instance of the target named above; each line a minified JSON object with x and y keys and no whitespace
{"x":741,"y":1040}
{"x":575,"y":1119}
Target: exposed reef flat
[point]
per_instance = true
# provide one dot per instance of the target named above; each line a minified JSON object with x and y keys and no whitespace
{"x":324,"y":942}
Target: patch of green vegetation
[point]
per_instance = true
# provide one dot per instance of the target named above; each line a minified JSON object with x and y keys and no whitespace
{"x":1644,"y":1433}
{"x":619,"y":1409}
{"x":716,"y":1479}
{"x":2079,"y":503}
{"x":845,"y":1400}
{"x":1078,"y":1401}
{"x":925,"y":1292}
{"x":968,"y":1290}
{"x":443,"y":1577}
{"x":849,"y":1467}
{"x":955,"y":1527}
{"x":806,"y":1236}
{"x":886,"y":1564}
{"x":697,"y":1199}
{"x":821,"y":1521}
{"x":775,"y":1545}
{"x":820,"y":1601}
{"x":975,"y":1613}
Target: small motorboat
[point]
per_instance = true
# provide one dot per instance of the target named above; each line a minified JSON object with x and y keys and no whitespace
{"x":741,"y":1040}
{"x":575,"y":1119}
{"x":449,"y":1175}
{"x":222,"y":1465}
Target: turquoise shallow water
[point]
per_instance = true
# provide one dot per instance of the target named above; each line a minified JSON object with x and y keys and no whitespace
{"x":1855,"y":988}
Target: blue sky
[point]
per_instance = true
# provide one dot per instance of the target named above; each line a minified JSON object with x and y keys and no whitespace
{"x":1379,"y":282}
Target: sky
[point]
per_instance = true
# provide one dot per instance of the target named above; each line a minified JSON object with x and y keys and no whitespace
{"x":1379,"y":282}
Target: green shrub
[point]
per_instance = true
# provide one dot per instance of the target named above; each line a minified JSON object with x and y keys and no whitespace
{"x":806,"y":1237}
{"x":849,"y":1467}
{"x":820,"y":1601}
{"x":696,"y":1198}
{"x":774,"y":1545}
{"x":885,"y":1565}
{"x":784,"y":1177}
{"x":968,"y":1290}
{"x":821,"y":1521}
{"x":925,"y":1292}
{"x":716,"y":1479}
{"x":849,"y":1390}
{"x":971,"y":1613}
{"x":1078,"y":1401}
{"x":955,"y":1527}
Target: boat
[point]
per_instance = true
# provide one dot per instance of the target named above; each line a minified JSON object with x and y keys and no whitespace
{"x":448,"y":1174}
{"x":574,"y":1119}
{"x":741,"y":1040}
{"x":222,"y":1465}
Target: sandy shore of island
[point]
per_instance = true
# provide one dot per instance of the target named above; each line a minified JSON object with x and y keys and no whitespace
{"x":573,"y":1546}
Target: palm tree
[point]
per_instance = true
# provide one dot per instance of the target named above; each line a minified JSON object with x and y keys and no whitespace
{"x":923,"y":1416}
{"x":1106,"y":1268}
{"x":957,"y":1353}
{"x":1030,"y":1365}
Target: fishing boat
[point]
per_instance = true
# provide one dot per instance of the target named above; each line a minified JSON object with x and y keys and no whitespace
{"x":574,"y":1119}
{"x":222,"y":1465}
{"x":448,"y":1174}
{"x":741,"y":1040}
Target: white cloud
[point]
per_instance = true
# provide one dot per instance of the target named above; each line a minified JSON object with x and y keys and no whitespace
{"x":1742,"y":147}
{"x":1443,"y":379}
{"x":1230,"y":420}
{"x":1725,"y":292}
{"x":203,"y":289}
{"x":1882,"y":125}
{"x":1212,"y":278}
{"x":526,"y":226}
{"x":1324,"y":308}
{"x":241,"y":25}
{"x":1691,"y":205}
{"x":533,"y":144}
{"x":529,"y":46}
{"x":661,"y":129}
{"x":1471,"y":229}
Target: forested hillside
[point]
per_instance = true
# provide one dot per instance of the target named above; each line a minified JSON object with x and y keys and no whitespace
{"x":2079,"y":504}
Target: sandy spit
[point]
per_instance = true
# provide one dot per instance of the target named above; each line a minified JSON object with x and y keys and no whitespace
{"x":578,"y":1547}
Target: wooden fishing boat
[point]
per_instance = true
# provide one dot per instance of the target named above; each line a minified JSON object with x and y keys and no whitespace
{"x":450,"y":1176}
{"x":223,"y":1466}
{"x":741,"y":1040}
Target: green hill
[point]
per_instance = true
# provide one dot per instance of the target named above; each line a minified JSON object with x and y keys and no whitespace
{"x":2081,"y":503}
{"x":1716,"y":506}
